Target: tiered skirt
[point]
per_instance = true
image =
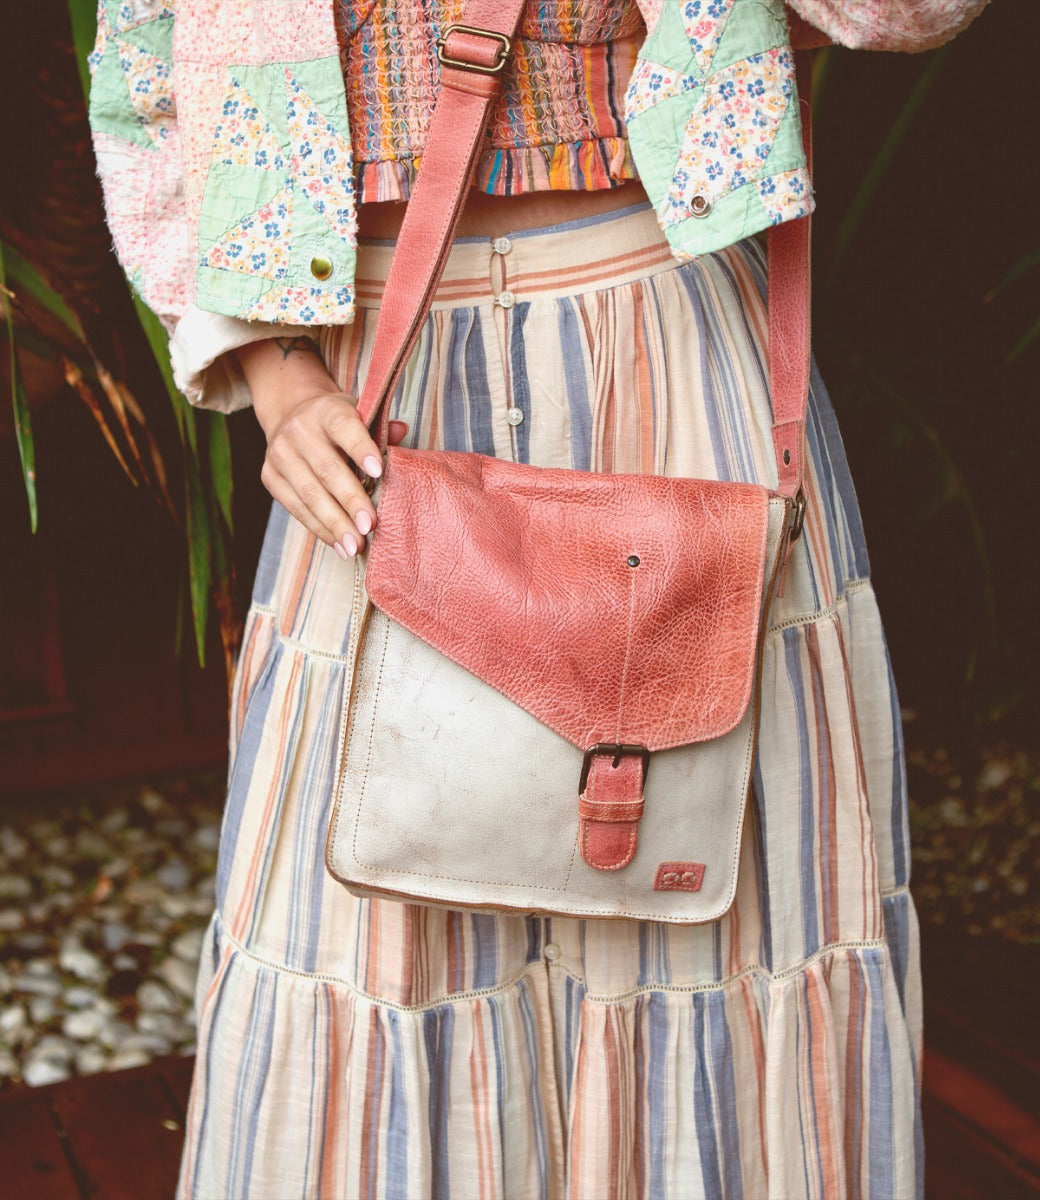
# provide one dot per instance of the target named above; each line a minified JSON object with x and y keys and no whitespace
{"x":363,"y":1050}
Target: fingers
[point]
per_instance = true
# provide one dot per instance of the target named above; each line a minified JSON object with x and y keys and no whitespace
{"x":330,"y":502}
{"x":282,"y":491}
{"x":306,"y":470}
{"x":342,"y":425}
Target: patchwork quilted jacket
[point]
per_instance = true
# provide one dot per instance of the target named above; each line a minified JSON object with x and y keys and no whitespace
{"x":224,"y":151}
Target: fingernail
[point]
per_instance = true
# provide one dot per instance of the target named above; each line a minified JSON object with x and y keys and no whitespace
{"x":340,"y":551}
{"x":373,"y":466}
{"x":363,"y":522}
{"x":349,"y":544}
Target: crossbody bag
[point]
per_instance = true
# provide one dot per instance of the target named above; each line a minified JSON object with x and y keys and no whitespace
{"x":553,"y":675}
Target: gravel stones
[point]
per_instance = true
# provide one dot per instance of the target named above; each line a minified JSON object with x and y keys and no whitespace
{"x":976,"y":837}
{"x":13,"y":1019}
{"x":83,"y":1024}
{"x":174,"y":876}
{"x":77,"y":960}
{"x":103,"y":910}
{"x":153,"y":997}
{"x":180,"y":975}
{"x":188,"y":945}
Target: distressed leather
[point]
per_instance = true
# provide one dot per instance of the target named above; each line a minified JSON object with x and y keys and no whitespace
{"x":609,"y":811}
{"x":521,"y":575}
{"x":446,"y":792}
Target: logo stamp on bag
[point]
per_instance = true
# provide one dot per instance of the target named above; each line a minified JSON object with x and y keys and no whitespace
{"x":679,"y":877}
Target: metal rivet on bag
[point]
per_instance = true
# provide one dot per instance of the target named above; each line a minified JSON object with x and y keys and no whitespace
{"x":787,"y":457}
{"x":700,"y":206}
{"x":633,"y":560}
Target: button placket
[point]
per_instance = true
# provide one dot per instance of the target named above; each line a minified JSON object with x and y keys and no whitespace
{"x":503,"y":300}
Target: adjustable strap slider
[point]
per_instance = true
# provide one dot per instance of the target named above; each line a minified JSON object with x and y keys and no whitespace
{"x":476,"y":58}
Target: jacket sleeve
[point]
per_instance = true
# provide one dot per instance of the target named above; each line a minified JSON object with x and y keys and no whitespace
{"x":889,"y":24}
{"x":133,"y":118}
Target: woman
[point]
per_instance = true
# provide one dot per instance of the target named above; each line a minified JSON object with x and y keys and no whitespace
{"x":355,"y":1048}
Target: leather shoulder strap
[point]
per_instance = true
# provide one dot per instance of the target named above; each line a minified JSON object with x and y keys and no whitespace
{"x":790,"y":309}
{"x":473,"y":56}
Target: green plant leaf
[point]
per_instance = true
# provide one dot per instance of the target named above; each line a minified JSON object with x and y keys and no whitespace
{"x":159,"y":341}
{"x":1022,"y":267}
{"x":20,"y":405}
{"x":22,"y":276}
{"x":198,"y":534}
{"x":26,"y":445}
{"x":83,"y":22}
{"x":220,"y":464}
{"x":1025,"y":341}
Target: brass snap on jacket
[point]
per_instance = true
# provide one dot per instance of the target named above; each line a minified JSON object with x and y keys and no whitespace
{"x":321,"y":268}
{"x":700,"y":206}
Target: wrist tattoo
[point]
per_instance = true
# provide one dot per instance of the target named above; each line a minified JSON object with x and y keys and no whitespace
{"x":304,"y":344}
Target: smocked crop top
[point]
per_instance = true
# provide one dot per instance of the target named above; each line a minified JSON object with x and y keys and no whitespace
{"x":557,"y":125}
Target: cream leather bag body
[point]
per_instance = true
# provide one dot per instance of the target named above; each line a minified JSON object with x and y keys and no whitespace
{"x":596,"y":761}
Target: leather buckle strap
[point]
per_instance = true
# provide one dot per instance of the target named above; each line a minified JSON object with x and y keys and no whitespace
{"x":615,"y":751}
{"x":610,"y":804}
{"x":449,"y":58}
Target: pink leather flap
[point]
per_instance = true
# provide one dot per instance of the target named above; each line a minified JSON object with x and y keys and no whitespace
{"x":614,"y":608}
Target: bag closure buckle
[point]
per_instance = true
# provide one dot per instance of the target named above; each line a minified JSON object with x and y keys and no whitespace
{"x":505,"y":48}
{"x":616,"y":751}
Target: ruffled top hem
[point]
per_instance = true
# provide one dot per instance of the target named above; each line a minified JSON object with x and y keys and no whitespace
{"x":590,"y":165}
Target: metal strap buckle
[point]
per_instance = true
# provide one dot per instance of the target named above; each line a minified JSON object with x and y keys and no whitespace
{"x":798,"y":520}
{"x":616,"y":751}
{"x":505,"y":48}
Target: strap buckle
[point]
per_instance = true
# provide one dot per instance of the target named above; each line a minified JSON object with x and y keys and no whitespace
{"x":505,"y":48}
{"x":798,"y":520}
{"x":616,"y":751}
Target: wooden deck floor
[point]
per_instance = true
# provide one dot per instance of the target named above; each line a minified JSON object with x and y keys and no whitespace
{"x":106,"y":1137}
{"x":118,"y":1136}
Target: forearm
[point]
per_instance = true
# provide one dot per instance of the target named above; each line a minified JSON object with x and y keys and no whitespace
{"x":282,"y":373}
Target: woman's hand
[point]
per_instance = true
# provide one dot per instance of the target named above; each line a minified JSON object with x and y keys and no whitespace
{"x":312,"y":430}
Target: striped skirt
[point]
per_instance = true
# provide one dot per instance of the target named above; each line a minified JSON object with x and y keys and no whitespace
{"x":362,"y":1050}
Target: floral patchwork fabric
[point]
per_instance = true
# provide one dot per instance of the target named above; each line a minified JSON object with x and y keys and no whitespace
{"x":291,"y":258}
{"x":235,"y":195}
{"x":714,"y":125}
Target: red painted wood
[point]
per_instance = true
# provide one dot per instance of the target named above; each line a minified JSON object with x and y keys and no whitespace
{"x":176,"y":1074}
{"x":977,"y":1101}
{"x":33,"y":1165}
{"x":124,"y":1133}
{"x":962,"y":1163}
